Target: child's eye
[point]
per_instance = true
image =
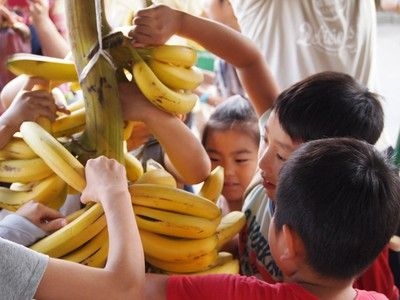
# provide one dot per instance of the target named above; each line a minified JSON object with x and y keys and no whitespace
{"x":281,"y":158}
{"x":213,"y":159}
{"x":241,"y":160}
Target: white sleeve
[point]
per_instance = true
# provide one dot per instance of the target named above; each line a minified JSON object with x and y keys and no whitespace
{"x":20,"y":230}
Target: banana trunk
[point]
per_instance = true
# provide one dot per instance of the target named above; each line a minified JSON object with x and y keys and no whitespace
{"x":103,"y":134}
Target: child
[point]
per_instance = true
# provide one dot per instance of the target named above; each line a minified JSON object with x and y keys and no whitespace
{"x":337,"y":205}
{"x":231,"y":138}
{"x":353,"y":111}
{"x":27,"y":274}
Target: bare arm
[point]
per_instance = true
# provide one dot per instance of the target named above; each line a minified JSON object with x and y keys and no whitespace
{"x":123,"y":275}
{"x":51,"y":40}
{"x":184,"y":150}
{"x":155,"y":25}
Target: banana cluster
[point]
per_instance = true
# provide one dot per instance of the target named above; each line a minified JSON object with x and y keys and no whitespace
{"x":167,"y":76}
{"x":183,"y":232}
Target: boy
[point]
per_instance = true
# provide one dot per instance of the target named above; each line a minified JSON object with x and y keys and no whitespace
{"x":336,"y":207}
{"x":332,"y":104}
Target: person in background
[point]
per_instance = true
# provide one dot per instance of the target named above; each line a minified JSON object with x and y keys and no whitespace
{"x":231,"y":138}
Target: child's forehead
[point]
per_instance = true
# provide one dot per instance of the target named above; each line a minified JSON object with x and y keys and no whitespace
{"x":276,"y":133}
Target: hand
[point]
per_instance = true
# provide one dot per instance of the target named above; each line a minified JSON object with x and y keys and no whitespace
{"x":140,"y":135}
{"x":42,"y":216}
{"x":103,"y":175}
{"x":39,"y":10}
{"x":29,"y":105}
{"x":155,"y":25}
{"x":8,"y":18}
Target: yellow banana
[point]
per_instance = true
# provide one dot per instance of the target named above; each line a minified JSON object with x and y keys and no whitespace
{"x":133,"y":166}
{"x":230,"y":225}
{"x":177,"y":77}
{"x":128,"y":129}
{"x":67,"y":125}
{"x":173,"y":199}
{"x":78,"y":104}
{"x":177,"y":102}
{"x":41,"y":191}
{"x":195,"y":264}
{"x":213,"y":185}
{"x":158,"y":176}
{"x":227,"y":267}
{"x":50,"y":242}
{"x":16,"y":148}
{"x":51,"y":68}
{"x":24,"y":170}
{"x":178,"y":55}
{"x":72,"y":216}
{"x":57,"y":157}
{"x":99,"y":258}
{"x":80,"y":238}
{"x":89,"y":248}
{"x":59,"y":96}
{"x":57,"y":201}
{"x":173,"y":224}
{"x":175,"y":249}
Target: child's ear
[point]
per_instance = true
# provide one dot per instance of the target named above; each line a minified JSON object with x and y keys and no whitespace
{"x":293,"y":247}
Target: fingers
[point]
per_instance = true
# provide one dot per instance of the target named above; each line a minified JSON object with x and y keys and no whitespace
{"x":53,"y":225}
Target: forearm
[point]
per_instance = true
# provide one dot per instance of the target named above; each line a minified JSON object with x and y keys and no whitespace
{"x":52,"y":42}
{"x":125,"y":256}
{"x":237,"y":50}
{"x":182,"y":147}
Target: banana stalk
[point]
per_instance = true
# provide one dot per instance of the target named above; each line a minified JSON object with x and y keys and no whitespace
{"x":103,"y":133}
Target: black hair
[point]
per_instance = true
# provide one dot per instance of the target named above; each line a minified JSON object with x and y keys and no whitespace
{"x":234,"y":113}
{"x":330,"y":104}
{"x":341,"y":197}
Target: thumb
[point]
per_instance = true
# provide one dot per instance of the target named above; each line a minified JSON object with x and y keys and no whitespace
{"x":54,"y":225}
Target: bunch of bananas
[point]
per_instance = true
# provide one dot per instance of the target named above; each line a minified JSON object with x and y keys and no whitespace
{"x":183,"y":232}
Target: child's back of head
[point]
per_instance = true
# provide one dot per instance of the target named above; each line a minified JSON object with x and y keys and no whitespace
{"x":342,"y":198}
{"x":329,"y":104}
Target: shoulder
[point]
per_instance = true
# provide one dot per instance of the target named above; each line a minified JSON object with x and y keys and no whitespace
{"x":369,"y":295}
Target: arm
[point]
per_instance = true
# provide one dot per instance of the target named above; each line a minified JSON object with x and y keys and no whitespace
{"x":189,"y":157}
{"x":391,"y":5}
{"x":53,"y":43}
{"x":156,"y":24}
{"x":30,"y":222}
{"x":123,"y":275}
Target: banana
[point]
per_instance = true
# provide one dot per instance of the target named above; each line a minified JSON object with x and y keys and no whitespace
{"x":99,"y":258}
{"x":59,"y":96}
{"x":41,"y":191}
{"x":78,"y":104}
{"x":177,"y":77}
{"x":16,"y":148}
{"x":50,"y":242}
{"x":177,"y":102}
{"x":80,"y":238}
{"x":173,"y":224}
{"x":128,"y":129}
{"x":24,"y":170}
{"x":178,"y":55}
{"x":133,"y":166}
{"x":230,"y":225}
{"x":195,"y":264}
{"x":58,"y":158}
{"x":213,"y":185}
{"x":67,"y":125}
{"x":89,"y":248}
{"x":50,"y":68}
{"x":57,"y":201}
{"x":173,"y":199}
{"x":227,"y":267}
{"x":158,"y":176}
{"x":72,"y":216}
{"x":175,"y":249}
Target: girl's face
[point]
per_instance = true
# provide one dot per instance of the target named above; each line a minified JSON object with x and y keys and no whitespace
{"x":276,"y":148}
{"x":236,"y":152}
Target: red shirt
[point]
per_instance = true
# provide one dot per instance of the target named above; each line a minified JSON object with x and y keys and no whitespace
{"x":231,"y":287}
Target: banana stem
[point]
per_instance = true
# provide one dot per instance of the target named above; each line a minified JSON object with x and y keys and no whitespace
{"x":103,"y":134}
